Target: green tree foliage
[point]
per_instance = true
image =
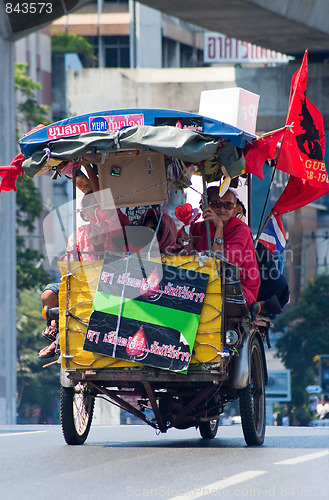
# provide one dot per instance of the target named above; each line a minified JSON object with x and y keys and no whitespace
{"x":29,"y":111}
{"x":29,"y":273}
{"x":65,"y":43}
{"x":305,"y":335}
{"x":28,"y":201}
{"x":37,"y":387}
{"x":37,"y":395}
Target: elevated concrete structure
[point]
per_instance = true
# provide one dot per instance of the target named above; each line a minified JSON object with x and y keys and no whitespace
{"x":175,"y":88}
{"x":287,"y":26}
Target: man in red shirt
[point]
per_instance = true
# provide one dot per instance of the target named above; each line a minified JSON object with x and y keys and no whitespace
{"x":229,"y":235}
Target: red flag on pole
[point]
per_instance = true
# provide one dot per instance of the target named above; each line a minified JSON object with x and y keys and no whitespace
{"x":10,"y":174}
{"x":302,"y":149}
{"x":257,"y":152}
{"x":297,"y":194}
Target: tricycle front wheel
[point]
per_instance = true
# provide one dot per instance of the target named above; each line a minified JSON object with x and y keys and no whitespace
{"x":77,"y":408}
{"x":252,"y":399}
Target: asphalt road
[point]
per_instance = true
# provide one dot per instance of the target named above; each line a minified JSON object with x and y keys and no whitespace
{"x":119,"y":462}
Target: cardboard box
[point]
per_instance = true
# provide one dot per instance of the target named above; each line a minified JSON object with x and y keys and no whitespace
{"x":133,"y":180}
{"x":235,"y":106}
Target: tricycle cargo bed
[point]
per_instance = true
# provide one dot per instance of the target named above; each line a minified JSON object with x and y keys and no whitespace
{"x":77,"y":292}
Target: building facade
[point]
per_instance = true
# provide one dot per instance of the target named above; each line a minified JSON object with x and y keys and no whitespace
{"x":120,"y":32}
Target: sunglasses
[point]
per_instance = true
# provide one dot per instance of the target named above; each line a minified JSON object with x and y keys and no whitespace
{"x":228,"y":205}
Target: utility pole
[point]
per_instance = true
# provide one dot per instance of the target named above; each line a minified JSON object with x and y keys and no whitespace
{"x":7,"y":237}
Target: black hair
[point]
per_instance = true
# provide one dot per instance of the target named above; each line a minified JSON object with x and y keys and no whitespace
{"x":239,"y":202}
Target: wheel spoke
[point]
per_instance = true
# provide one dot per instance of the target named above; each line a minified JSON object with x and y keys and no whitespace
{"x":80,"y":411}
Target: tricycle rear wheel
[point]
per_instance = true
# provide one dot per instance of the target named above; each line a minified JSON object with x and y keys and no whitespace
{"x":77,"y":408}
{"x":252,"y":399}
{"x":208,"y":430}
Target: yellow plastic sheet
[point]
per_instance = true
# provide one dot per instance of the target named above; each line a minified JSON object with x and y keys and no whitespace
{"x":77,"y":290}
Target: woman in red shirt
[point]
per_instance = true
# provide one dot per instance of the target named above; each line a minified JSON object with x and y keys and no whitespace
{"x":229,"y":235}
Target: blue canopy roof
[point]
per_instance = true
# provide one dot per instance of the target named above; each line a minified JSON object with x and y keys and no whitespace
{"x":113,"y":120}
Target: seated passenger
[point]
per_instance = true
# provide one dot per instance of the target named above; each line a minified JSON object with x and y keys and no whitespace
{"x":241,"y":211}
{"x":104,"y":231}
{"x":167,"y":231}
{"x":273,"y":292}
{"x":229,"y":235}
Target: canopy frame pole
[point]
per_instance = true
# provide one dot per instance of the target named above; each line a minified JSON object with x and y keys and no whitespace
{"x":68,"y":278}
{"x":74,"y":205}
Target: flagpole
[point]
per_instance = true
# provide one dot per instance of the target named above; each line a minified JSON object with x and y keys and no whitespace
{"x":261,"y":227}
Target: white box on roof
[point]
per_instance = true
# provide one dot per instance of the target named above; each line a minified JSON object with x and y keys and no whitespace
{"x":235,"y":106}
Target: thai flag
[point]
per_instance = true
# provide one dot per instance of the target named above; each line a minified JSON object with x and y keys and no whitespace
{"x":273,"y":236}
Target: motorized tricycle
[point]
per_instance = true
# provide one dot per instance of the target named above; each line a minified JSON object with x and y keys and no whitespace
{"x":138,"y":326}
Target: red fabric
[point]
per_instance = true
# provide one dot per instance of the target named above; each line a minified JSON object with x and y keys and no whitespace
{"x":123,"y":219}
{"x":258,"y":151}
{"x":303,"y":144}
{"x":10,"y":174}
{"x":289,"y":160}
{"x":239,"y":250}
{"x":302,"y":150}
{"x":110,"y":229}
{"x":167,"y":242}
{"x":297,"y":194}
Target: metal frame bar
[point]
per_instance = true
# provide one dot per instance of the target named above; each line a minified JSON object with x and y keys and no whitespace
{"x":155,"y":407}
{"x":199,"y":397}
{"x":123,"y":404}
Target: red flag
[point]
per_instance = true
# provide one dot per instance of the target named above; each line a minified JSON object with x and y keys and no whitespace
{"x":302,"y":148}
{"x":261,"y":149}
{"x":10,"y":174}
{"x":297,"y":194}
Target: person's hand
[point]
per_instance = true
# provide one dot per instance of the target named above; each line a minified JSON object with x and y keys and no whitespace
{"x":185,"y":241}
{"x":211,"y":216}
{"x":184,"y":238}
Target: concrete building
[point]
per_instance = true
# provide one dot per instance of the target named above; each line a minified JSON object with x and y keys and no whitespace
{"x":120,"y":32}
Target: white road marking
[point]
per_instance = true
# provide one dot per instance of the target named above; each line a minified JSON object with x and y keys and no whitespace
{"x":19,"y":433}
{"x":210,"y":489}
{"x":303,"y":458}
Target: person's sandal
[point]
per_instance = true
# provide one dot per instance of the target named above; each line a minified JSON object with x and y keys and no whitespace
{"x":50,"y":333}
{"x":49,"y":351}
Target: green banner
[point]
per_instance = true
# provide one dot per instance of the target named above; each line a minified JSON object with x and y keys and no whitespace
{"x":146,"y":312}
